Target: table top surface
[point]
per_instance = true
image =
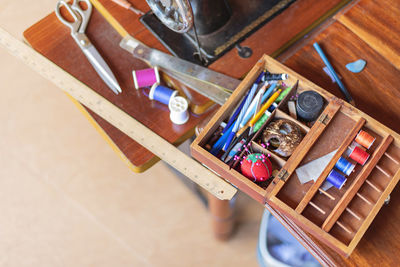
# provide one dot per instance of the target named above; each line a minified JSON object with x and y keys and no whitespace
{"x":53,"y":40}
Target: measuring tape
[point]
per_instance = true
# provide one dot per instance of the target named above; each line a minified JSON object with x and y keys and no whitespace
{"x":118,"y":118}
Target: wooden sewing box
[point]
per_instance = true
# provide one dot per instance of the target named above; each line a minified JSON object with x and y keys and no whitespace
{"x":342,"y":220}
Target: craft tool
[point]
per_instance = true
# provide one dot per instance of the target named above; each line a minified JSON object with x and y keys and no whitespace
{"x":356,"y":66}
{"x":261,"y":121}
{"x":336,"y":179}
{"x":257,"y":167}
{"x":236,"y":114}
{"x":251,"y":138}
{"x":364,"y":139}
{"x":252,"y":109}
{"x":146,"y":77}
{"x":243,"y":111}
{"x":313,"y":169}
{"x":162,"y":94}
{"x":81,"y":18}
{"x":265,"y":107}
{"x":286,"y":92}
{"x":125,"y":4}
{"x":358,"y":155}
{"x":178,"y":107}
{"x":276,"y":76}
{"x":221,"y":141}
{"x":118,"y":118}
{"x":345,"y":166}
{"x":243,"y":136}
{"x":333,"y":72}
{"x":309,"y":105}
{"x":215,"y":86}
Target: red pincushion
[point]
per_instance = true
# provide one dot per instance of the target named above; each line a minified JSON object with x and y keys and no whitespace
{"x":256,"y":167}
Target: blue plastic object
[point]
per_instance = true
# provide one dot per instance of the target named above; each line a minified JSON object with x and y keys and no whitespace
{"x":356,"y":66}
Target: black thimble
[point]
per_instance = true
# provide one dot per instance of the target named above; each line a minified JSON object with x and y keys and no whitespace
{"x":309,"y":105}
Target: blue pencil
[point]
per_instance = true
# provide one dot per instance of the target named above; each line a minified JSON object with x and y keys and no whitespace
{"x":334,"y":74}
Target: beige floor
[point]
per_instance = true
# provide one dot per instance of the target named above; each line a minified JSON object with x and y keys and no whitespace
{"x":67,"y":200}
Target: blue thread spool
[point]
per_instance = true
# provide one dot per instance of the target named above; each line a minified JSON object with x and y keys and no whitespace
{"x":161,"y":93}
{"x":345,"y":166}
{"x":336,"y":179}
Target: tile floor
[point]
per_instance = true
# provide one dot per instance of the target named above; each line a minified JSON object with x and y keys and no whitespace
{"x":67,"y":200}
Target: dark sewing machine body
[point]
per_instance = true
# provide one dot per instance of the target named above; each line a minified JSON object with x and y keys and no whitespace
{"x":220,"y":25}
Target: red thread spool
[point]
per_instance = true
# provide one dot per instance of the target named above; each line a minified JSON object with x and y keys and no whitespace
{"x":359,"y":155}
{"x":365,"y":139}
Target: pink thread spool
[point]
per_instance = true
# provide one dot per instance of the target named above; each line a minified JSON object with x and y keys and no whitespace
{"x":146,"y":77}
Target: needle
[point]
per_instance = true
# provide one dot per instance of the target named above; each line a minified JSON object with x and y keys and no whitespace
{"x":127,"y":5}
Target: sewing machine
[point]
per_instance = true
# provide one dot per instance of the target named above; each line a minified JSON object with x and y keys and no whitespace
{"x":202,"y":31}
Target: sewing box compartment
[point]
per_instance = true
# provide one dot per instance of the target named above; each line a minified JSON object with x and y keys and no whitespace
{"x":337,"y":216}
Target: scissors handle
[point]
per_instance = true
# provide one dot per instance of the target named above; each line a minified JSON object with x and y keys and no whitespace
{"x":77,"y":20}
{"x":85,"y":13}
{"x":79,"y":15}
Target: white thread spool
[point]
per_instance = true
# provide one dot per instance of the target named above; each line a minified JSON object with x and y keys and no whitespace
{"x":178,"y":106}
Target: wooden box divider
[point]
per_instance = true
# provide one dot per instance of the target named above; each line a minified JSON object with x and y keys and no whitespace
{"x":314,"y":188}
{"x":355,"y":186}
{"x":308,"y":141}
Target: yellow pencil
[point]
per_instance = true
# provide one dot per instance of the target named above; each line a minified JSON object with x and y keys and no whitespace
{"x":265,"y":107}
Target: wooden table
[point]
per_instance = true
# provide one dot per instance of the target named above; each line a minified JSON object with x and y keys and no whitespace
{"x":301,"y":17}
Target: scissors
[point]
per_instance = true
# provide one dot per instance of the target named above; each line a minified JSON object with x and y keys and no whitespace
{"x":78,"y":26}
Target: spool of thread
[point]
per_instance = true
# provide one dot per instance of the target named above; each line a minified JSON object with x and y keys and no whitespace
{"x":161,"y":93}
{"x":345,"y":166}
{"x":309,"y":105}
{"x":275,"y":76}
{"x":365,"y":139}
{"x":358,"y":155}
{"x":336,"y":179}
{"x":146,"y":77}
{"x":178,"y":107}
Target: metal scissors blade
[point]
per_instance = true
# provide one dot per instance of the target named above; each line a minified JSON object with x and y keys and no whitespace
{"x":78,"y":26}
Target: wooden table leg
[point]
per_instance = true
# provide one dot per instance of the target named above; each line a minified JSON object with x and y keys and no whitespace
{"x":222,"y":217}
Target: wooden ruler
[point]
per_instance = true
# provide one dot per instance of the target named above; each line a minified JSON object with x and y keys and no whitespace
{"x":118,"y":118}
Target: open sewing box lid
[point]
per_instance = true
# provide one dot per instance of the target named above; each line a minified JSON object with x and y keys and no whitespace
{"x":341,"y":219}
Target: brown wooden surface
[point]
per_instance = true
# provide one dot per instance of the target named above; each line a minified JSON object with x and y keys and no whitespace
{"x":376,"y":23}
{"x":375,"y":90}
{"x":52,"y":39}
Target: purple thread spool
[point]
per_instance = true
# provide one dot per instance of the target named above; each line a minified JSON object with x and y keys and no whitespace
{"x":161,"y":93}
{"x":345,"y":166}
{"x":146,"y":77}
{"x":336,"y":179}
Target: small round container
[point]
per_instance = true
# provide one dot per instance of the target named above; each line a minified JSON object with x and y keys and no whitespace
{"x":309,"y":105}
{"x":178,"y":106}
